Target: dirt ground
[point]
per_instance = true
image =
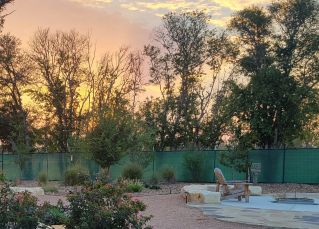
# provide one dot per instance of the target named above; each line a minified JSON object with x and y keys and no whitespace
{"x":171,"y":212}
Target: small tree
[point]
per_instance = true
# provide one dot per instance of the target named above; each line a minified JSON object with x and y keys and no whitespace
{"x":111,"y":138}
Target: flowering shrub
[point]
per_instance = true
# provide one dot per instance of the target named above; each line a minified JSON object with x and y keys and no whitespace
{"x":17,"y":210}
{"x":105,"y":206}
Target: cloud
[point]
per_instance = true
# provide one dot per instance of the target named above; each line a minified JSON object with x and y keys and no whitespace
{"x":235,"y":5}
{"x":142,"y":10}
{"x":93,"y":3}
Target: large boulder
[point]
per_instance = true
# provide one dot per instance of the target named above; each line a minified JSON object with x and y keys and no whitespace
{"x":36,"y":191}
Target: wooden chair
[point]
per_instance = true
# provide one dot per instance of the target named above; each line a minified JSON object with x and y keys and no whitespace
{"x":240,"y":190}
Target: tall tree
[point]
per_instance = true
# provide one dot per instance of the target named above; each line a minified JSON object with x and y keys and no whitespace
{"x":15,"y":76}
{"x":186,"y":48}
{"x":62,"y":60}
{"x":280,"y":61}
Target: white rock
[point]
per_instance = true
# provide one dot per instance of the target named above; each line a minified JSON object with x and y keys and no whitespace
{"x":36,"y":191}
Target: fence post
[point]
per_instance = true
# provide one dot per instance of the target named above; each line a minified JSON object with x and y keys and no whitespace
{"x":284,"y":165}
{"x":215,"y":152}
{"x":48,"y":165}
{"x":153,"y":161}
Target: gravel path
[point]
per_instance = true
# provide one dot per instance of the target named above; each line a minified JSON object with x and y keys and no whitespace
{"x":171,"y":212}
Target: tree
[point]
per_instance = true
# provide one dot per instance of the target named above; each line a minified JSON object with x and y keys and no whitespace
{"x":186,"y":48}
{"x":279,"y":56}
{"x":62,"y":60}
{"x":114,"y":136}
{"x":15,"y":76}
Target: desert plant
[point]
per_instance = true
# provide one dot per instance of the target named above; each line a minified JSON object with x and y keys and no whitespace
{"x":104,"y":206}
{"x":76,"y":175}
{"x":132,"y":171}
{"x":52,"y":189}
{"x":17,"y":210}
{"x":194,"y":164}
{"x":129,"y":185}
{"x":2,"y":177}
{"x":52,"y":215}
{"x":134,"y":186}
{"x":168,"y":174}
{"x":154,"y":180}
{"x":42,"y":178}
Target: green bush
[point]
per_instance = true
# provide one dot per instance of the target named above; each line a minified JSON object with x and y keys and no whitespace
{"x":129,"y":185}
{"x":2,"y":177}
{"x":42,"y":178}
{"x":104,"y":206}
{"x":154,"y":180}
{"x":17,"y":210}
{"x":168,"y":174}
{"x":53,"y":189}
{"x":76,"y":175}
{"x":132,"y":172}
{"x":134,"y":186}
{"x":52,"y":215}
{"x":194,"y":164}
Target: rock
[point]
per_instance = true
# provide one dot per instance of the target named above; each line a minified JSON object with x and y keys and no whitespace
{"x":200,"y":194}
{"x":36,"y":191}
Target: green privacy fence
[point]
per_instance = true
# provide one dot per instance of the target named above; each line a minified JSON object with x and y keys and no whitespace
{"x":277,"y":165}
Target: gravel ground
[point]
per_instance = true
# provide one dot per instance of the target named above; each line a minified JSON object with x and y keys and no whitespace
{"x":170,"y":212}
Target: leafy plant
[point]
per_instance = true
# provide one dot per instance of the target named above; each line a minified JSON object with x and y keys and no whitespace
{"x":42,"y":178}
{"x":134,"y":186}
{"x":2,"y":177}
{"x":105,"y":206}
{"x":17,"y":210}
{"x":129,"y":185}
{"x":132,"y":171}
{"x":194,"y":164}
{"x":168,"y":175}
{"x":76,"y":175}
{"x":52,"y":215}
{"x":53,"y":189}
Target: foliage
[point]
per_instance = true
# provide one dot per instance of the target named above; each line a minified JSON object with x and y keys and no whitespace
{"x":132,"y":171}
{"x":193,"y":162}
{"x":2,"y":177}
{"x":237,"y":155}
{"x":17,"y":210}
{"x":112,"y":137}
{"x":168,"y":174}
{"x":50,"y":188}
{"x":105,"y":206}
{"x":279,"y":60}
{"x":42,"y":178}
{"x":130,"y":185}
{"x":52,"y":215}
{"x":185,"y":48}
{"x":153,"y":182}
{"x":76,"y":175}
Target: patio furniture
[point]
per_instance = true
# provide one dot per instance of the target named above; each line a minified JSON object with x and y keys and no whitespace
{"x":239,"y":191}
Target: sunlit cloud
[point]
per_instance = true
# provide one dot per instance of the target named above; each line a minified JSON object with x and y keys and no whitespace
{"x":235,"y":5}
{"x":93,"y":3}
{"x":219,"y":10}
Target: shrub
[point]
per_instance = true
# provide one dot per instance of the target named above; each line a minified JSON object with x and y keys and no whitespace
{"x":104,"y":206}
{"x":2,"y":177}
{"x":17,"y":210}
{"x":52,"y":215}
{"x":130,"y":185}
{"x":42,"y":178}
{"x":132,"y":172}
{"x":103,"y":176}
{"x":76,"y":175}
{"x":53,"y":189}
{"x":154,"y":180}
{"x":194,"y":164}
{"x":134,"y":186}
{"x":168,"y":175}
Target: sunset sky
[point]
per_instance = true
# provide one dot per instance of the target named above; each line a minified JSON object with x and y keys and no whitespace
{"x":111,"y":23}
